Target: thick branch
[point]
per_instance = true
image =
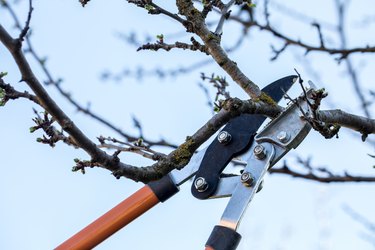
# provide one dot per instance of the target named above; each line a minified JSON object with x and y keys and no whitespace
{"x":359,"y":123}
{"x":181,"y":156}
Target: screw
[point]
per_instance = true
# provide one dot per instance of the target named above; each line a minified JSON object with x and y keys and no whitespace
{"x":247,"y":179}
{"x":259,"y":152}
{"x":283,"y":137}
{"x":224,"y":137}
{"x":201,"y":184}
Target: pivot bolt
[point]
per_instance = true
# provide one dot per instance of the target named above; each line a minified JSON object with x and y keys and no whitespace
{"x":224,"y":137}
{"x":201,"y":184}
{"x":283,"y":137}
{"x":247,"y":179}
{"x":259,"y":152}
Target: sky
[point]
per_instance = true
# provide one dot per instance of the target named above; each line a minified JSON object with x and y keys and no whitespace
{"x":43,"y":203}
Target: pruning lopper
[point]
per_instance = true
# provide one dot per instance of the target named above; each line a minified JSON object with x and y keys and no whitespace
{"x":239,"y":137}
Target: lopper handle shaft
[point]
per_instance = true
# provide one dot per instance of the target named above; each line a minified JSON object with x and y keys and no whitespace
{"x":112,"y":221}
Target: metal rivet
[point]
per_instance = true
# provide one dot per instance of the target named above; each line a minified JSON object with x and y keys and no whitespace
{"x":247,"y":179}
{"x":283,"y":136}
{"x":259,"y":152}
{"x":224,"y":137}
{"x":201,"y":184}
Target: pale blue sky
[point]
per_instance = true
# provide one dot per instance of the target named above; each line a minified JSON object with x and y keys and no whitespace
{"x":44,"y":203}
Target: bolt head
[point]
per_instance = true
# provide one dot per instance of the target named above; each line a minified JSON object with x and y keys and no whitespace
{"x":247,"y":179}
{"x":259,"y":152}
{"x":283,"y":136}
{"x":224,"y":137}
{"x":201,"y":184}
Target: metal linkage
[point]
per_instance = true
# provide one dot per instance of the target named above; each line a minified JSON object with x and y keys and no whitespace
{"x":244,"y":193}
{"x":284,"y":133}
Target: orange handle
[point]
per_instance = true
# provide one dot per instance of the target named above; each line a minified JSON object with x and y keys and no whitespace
{"x":112,"y":221}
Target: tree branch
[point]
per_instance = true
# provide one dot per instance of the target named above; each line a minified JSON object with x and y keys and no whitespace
{"x":327,"y":179}
{"x":52,"y":108}
{"x":343,"y":53}
{"x":27,"y":24}
{"x":196,"y":24}
{"x":176,"y":159}
{"x":11,"y":94}
{"x":359,"y":123}
{"x":155,"y":9}
{"x":167,"y":47}
{"x":68,"y":96}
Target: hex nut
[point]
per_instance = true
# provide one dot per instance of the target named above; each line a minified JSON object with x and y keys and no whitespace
{"x":259,"y":152}
{"x":283,"y":136}
{"x":247,"y":179}
{"x":224,"y":137}
{"x":200,"y":184}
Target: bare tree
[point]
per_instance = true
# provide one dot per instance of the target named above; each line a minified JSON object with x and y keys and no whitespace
{"x":193,"y":20}
{"x":205,"y":25}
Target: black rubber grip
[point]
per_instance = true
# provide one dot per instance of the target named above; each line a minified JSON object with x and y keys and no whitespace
{"x":164,"y":188}
{"x":223,"y":238}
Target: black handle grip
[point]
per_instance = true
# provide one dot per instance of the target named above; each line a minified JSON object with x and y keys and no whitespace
{"x":223,"y":238}
{"x":164,"y":188}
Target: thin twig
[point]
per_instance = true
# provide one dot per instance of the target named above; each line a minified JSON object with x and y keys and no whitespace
{"x":160,"y":10}
{"x":26,"y":28}
{"x":324,"y":179}
{"x":224,"y":16}
{"x":196,"y":46}
{"x":11,"y":94}
{"x":342,"y":53}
